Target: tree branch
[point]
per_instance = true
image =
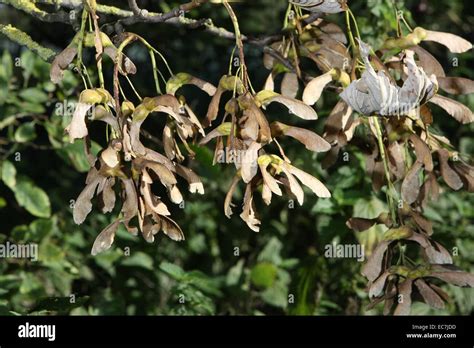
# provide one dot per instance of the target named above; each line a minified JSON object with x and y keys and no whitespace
{"x":136,"y":15}
{"x":24,"y":39}
{"x":31,"y":8}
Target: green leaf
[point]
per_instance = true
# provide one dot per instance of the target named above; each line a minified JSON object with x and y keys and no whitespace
{"x":4,"y":308}
{"x":6,"y":71}
{"x":139,"y":259}
{"x":6,"y":67}
{"x":263,"y":275}
{"x":34,"y":95}
{"x":27,"y":60}
{"x":289,"y":263}
{"x":235,"y":273}
{"x":19,"y":232}
{"x":203,"y":282}
{"x":9,"y":174}
{"x":39,"y":229}
{"x":172,"y":270}
{"x":48,"y":86}
{"x":271,"y":252}
{"x":29,"y":107}
{"x":107,"y":260}
{"x":370,"y":209}
{"x":59,"y":304}
{"x":51,"y":254}
{"x":7,"y":121}
{"x":29,"y":283}
{"x":25,"y":133}
{"x":32,"y":198}
{"x":75,"y":155}
{"x":276,"y":295}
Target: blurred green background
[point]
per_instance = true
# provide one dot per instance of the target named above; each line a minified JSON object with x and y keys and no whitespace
{"x":222,"y":267}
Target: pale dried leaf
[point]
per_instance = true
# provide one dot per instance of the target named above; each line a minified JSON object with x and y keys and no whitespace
{"x":249,"y":165}
{"x":454,"y":43}
{"x":248,"y":211}
{"x":310,"y":140}
{"x":456,"y":85}
{"x":105,"y":239}
{"x":295,"y":107}
{"x":458,"y":111}
{"x":315,"y":88}
{"x":289,"y":85}
{"x":310,"y":181}
{"x":377,"y":286}
{"x":108,"y":195}
{"x":228,"y":198}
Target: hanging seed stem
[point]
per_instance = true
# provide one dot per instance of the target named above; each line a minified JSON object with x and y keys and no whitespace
{"x":239,"y":42}
{"x":383,"y":155}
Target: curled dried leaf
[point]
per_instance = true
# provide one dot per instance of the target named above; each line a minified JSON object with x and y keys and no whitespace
{"x":248,"y":211}
{"x":83,"y":204}
{"x":228,"y":198}
{"x":374,"y":93}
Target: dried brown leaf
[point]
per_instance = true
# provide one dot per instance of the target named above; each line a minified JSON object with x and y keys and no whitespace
{"x":310,"y":140}
{"x":422,"y":151}
{"x":454,"y":43}
{"x":228,"y":197}
{"x":430,"y":296}
{"x":411,"y":184}
{"x":430,"y":64}
{"x":458,"y":111}
{"x":450,"y":177}
{"x":372,"y":269}
{"x":404,"y":302}
{"x":456,"y":85}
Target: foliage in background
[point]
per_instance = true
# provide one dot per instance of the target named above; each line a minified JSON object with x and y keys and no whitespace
{"x":222,"y":267}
